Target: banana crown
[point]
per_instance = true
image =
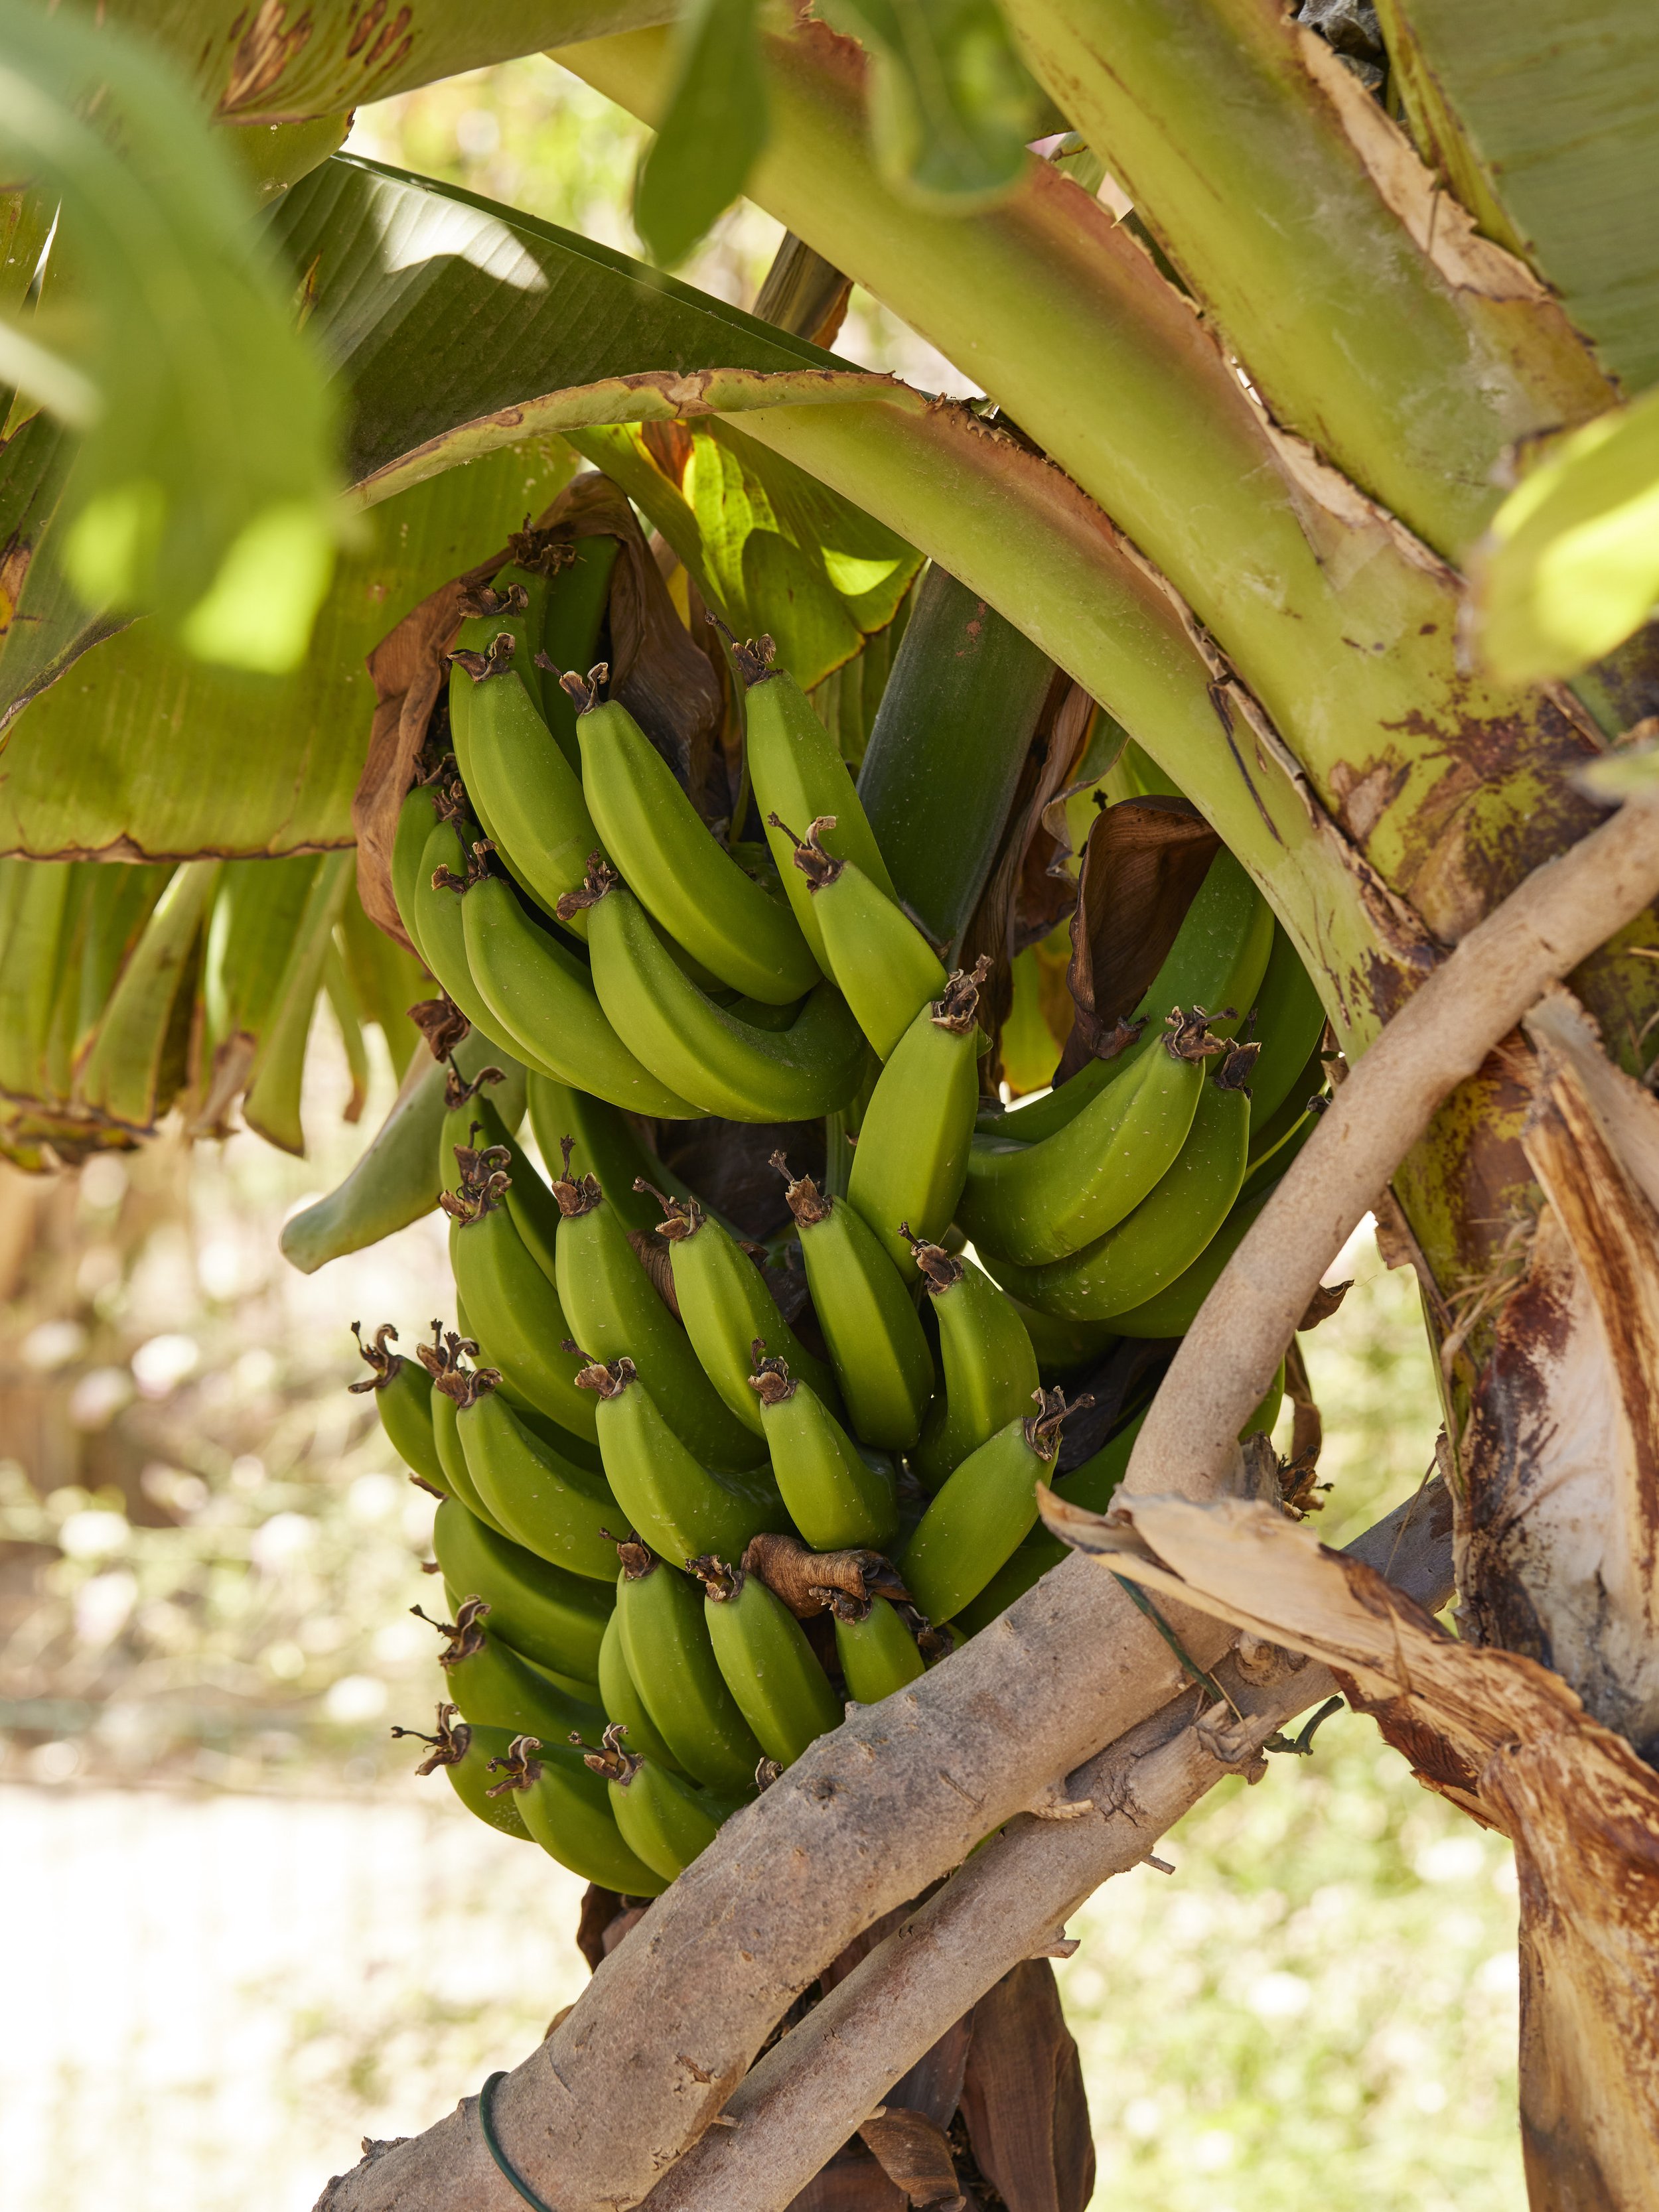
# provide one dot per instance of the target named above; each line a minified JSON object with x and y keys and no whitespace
{"x":720,"y":1582}
{"x":577,"y":1195}
{"x":442,"y":1359}
{"x":955,"y":1008}
{"x":804,"y":1198}
{"x":383,"y":1364}
{"x":615,"y":1765}
{"x":600,"y":880}
{"x":771,"y":1382}
{"x":821,"y":869}
{"x":521,"y":1771}
{"x":941,"y":1270}
{"x":609,"y":1378}
{"x":1042,"y":1428}
{"x":449,"y":1745}
{"x":484,"y":1182}
{"x":464,"y":1636}
{"x":497,"y":657}
{"x":681,"y":1216}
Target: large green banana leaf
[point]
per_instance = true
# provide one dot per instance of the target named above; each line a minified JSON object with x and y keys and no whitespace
{"x":1544,"y":116}
{"x":139,"y":750}
{"x":445,"y":315}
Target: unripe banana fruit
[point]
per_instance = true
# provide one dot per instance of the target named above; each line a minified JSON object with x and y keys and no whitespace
{"x":886,"y":967}
{"x":493,"y":1685}
{"x":876,"y":1343}
{"x":665,"y":1640}
{"x":465,"y":1752}
{"x":877,"y":1653}
{"x":834,"y":1497}
{"x":781,"y":1689}
{"x":989,"y":1362}
{"x":984,"y":1512}
{"x":914,"y":1136}
{"x":550,"y":1616}
{"x":664,"y":1820}
{"x":403,"y":1398}
{"x":567,"y":1808}
{"x":679,"y":1507}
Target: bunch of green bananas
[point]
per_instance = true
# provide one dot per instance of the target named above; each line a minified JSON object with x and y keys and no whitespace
{"x":680,"y":1526}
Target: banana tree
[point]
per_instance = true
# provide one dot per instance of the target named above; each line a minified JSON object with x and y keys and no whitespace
{"x":1242,"y":476}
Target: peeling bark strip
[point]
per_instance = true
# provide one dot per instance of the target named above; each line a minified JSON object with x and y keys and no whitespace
{"x":1009,"y":1902}
{"x":1512,"y":1743}
{"x":1440,"y":1036}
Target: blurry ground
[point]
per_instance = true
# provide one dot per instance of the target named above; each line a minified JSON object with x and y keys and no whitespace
{"x":242,"y":1935}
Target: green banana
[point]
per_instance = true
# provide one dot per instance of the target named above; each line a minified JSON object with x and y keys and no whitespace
{"x":664,"y":1820}
{"x":911,"y":1158}
{"x":606,"y":1145}
{"x":397,"y":1179}
{"x":1289,"y":1020}
{"x":984,"y":1512}
{"x":536,"y":1496}
{"x":1062,"y":1346}
{"x":710,"y":1053}
{"x":834,"y":1497}
{"x":502,"y":629}
{"x":876,"y":1346}
{"x":1092,"y":1485}
{"x":1172,"y":1311}
{"x":425,"y":803}
{"x":544,"y":997}
{"x":622,"y":1700}
{"x":989,"y":1361}
{"x":567,"y":1810}
{"x":547,"y":1615}
{"x":493,"y":1686}
{"x":448,"y":862}
{"x":686,"y":880}
{"x":466,"y":1754}
{"x":576,"y":608}
{"x":886,"y":967}
{"x":769,"y":1668}
{"x":403,"y":1398}
{"x":796,"y":770}
{"x":271,"y":1102}
{"x":1034,"y":1203}
{"x":1165,"y":1234}
{"x":128,"y":1071}
{"x":477,"y":1142}
{"x":529,"y":797}
{"x":614,"y":1310}
{"x":677,"y":1504}
{"x":511,"y":1302}
{"x":876,"y":1650}
{"x":1218,"y":959}
{"x":725,"y":1304}
{"x":452,"y":1382}
{"x":665,"y":1640}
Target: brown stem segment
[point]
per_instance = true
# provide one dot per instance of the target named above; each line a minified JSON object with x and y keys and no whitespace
{"x":600,"y":880}
{"x":577,"y":1195}
{"x":480,"y":600}
{"x":809,"y":1581}
{"x":771,"y":1381}
{"x":583,"y":691}
{"x":1042,"y":1428}
{"x":681,"y":1216}
{"x":449,"y":1745}
{"x":609,"y":1380}
{"x":383,"y":1364}
{"x":441,"y":1023}
{"x":941,"y":1270}
{"x":465,"y":1635}
{"x":821,"y":869}
{"x":955,"y":1009}
{"x":802,"y":1195}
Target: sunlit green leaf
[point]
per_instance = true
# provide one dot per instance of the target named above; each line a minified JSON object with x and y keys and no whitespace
{"x":201,"y":485}
{"x":714,"y":128}
{"x":951,"y":105}
{"x":1571,"y":566}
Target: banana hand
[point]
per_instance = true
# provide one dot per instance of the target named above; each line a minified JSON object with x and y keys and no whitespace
{"x":665,"y":1643}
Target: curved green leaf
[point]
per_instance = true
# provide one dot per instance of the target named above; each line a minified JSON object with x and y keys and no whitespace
{"x":714,"y":129}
